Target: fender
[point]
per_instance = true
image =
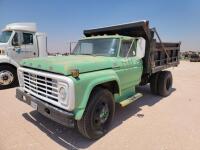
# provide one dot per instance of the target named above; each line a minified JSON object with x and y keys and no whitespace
{"x":6,"y":59}
{"x":90,"y":81}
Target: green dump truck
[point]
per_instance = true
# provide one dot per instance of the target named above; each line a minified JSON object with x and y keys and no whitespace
{"x":81,"y":90}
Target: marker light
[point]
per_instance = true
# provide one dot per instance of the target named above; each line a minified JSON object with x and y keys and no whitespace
{"x":75,"y":73}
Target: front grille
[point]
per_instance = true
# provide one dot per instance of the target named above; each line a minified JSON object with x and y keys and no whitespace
{"x":41,"y":87}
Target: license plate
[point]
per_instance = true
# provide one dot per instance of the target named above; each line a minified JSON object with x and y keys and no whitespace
{"x":34,"y":105}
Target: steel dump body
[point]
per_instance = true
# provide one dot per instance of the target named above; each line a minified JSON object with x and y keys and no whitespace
{"x":161,"y":60}
{"x":158,"y":55}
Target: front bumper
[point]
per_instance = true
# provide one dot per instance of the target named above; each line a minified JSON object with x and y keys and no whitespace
{"x":54,"y":113}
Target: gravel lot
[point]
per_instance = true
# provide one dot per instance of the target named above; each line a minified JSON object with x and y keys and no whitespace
{"x":151,"y":123}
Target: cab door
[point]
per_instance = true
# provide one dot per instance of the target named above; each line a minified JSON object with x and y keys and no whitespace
{"x":23,"y":46}
{"x":29,"y":49}
{"x":16,"y":47}
{"x":131,"y":66}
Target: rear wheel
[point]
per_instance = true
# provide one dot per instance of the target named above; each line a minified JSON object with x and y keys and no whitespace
{"x":98,"y":114}
{"x":8,"y":77}
{"x":165,"y":82}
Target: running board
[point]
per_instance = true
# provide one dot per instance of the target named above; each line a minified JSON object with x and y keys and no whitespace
{"x":131,"y":99}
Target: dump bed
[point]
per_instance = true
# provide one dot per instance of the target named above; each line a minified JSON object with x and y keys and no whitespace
{"x":158,"y":55}
{"x":162,"y":58}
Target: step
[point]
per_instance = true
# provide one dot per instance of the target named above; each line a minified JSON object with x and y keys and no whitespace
{"x":131,"y":99}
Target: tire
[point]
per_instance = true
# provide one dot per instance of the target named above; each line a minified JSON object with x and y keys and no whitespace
{"x":4,"y":71}
{"x":165,"y":82}
{"x":98,"y":115}
{"x":154,"y":83}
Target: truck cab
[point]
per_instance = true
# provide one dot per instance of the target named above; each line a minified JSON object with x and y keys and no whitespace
{"x":18,"y":41}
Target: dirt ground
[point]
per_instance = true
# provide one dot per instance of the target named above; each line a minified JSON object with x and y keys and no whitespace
{"x":151,"y":123}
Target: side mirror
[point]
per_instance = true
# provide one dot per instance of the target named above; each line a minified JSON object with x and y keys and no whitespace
{"x":141,"y":45}
{"x":15,"y":43}
{"x":15,"y":40}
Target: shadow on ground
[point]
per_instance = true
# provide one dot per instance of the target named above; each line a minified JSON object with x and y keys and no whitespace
{"x":5,"y":88}
{"x":71,"y":139}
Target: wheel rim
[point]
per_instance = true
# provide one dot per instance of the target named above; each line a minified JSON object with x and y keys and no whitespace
{"x":101,"y":115}
{"x":6,"y":77}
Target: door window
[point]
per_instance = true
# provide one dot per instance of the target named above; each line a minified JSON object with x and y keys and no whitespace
{"x":27,"y":38}
{"x":127,"y":48}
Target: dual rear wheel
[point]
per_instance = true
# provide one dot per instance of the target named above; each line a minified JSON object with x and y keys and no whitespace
{"x":161,"y":83}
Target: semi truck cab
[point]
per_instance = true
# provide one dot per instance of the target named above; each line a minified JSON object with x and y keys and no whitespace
{"x":18,"y":41}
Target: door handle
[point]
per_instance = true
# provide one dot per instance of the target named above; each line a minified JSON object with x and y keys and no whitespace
{"x":17,"y":50}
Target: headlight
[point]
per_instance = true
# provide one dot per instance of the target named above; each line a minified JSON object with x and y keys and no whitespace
{"x":63,"y":93}
{"x":20,"y":78}
{"x":63,"y":89}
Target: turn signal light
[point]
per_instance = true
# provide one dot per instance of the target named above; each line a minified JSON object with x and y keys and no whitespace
{"x":75,"y":73}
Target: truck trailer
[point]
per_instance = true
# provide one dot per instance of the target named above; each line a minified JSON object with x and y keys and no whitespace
{"x":18,"y":41}
{"x":106,"y":66}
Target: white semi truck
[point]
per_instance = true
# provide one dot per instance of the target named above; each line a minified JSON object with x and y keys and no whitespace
{"x":19,"y":41}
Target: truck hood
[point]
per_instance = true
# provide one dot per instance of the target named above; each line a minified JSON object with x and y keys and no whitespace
{"x":64,"y":64}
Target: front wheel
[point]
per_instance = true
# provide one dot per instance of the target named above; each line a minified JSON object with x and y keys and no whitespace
{"x":8,"y":77}
{"x":98,"y":114}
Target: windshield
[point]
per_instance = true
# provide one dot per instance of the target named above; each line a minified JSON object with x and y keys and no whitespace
{"x":5,"y":36}
{"x":101,"y":47}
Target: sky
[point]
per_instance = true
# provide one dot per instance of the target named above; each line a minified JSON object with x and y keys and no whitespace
{"x":64,"y":20}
